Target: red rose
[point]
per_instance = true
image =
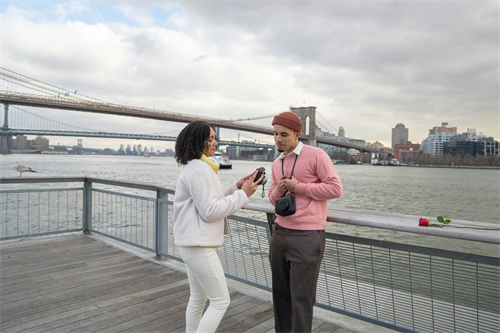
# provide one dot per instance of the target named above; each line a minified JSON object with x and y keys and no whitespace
{"x":423,"y":222}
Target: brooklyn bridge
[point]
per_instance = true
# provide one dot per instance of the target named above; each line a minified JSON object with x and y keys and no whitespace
{"x":38,"y":94}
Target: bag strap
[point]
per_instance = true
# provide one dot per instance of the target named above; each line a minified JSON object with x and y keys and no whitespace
{"x":283,"y":169}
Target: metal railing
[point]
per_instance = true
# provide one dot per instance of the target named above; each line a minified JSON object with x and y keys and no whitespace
{"x":400,"y":286}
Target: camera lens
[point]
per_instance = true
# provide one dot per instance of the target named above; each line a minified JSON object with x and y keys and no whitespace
{"x":283,"y":205}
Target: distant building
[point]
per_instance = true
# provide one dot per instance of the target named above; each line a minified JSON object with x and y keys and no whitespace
{"x":399,"y":135}
{"x":408,"y":155}
{"x":407,"y":145}
{"x":121,"y":151}
{"x":464,"y":148}
{"x":21,"y":142}
{"x":341,"y":132}
{"x":329,"y":149}
{"x":374,"y":145}
{"x":386,"y":150}
{"x":42,"y":143}
{"x":491,"y":148}
{"x":433,"y":144}
{"x":353,"y":152}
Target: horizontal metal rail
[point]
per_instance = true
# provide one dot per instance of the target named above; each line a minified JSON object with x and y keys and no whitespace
{"x":400,"y":286}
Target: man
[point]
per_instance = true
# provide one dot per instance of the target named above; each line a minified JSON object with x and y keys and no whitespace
{"x":298,"y":241}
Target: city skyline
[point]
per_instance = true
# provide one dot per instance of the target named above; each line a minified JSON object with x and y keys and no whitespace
{"x":363,"y":71}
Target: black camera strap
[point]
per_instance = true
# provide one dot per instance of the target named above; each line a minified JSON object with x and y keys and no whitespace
{"x":283,"y":169}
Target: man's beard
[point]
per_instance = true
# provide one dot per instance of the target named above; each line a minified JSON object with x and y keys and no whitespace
{"x":281,"y":151}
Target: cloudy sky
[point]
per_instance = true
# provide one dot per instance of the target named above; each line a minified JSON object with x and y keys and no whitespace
{"x":365,"y":65}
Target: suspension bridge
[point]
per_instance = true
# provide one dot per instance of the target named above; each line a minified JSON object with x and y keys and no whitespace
{"x":44,"y":95}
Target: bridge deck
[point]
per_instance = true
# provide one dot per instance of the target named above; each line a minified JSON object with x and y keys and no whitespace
{"x":75,"y":283}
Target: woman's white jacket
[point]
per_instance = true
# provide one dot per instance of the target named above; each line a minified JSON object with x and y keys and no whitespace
{"x":201,"y":206}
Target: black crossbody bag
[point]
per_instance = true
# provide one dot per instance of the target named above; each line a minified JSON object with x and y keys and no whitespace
{"x":285,"y":205}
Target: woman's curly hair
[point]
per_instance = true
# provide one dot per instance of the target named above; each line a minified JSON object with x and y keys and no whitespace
{"x":192,"y":141}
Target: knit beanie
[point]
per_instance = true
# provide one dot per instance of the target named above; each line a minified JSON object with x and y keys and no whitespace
{"x":289,"y":120}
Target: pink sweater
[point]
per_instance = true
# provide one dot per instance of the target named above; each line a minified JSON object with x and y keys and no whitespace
{"x":318,"y":182}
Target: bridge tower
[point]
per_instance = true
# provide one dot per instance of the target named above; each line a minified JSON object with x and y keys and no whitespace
{"x":5,"y":142}
{"x":308,"y":117}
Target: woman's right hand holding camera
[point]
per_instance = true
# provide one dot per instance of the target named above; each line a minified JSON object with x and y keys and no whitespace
{"x":250,"y":186}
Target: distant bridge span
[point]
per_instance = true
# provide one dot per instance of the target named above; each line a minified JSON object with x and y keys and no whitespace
{"x":64,"y":103}
{"x":14,"y":131}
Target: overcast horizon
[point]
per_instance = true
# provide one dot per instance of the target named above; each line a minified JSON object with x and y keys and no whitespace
{"x":365,"y":65}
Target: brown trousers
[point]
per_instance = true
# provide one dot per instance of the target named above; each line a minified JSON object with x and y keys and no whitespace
{"x":295,"y":257}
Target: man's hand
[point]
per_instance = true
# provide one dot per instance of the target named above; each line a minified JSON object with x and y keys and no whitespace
{"x":286,"y":184}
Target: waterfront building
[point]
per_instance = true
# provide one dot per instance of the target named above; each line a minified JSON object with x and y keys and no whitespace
{"x":491,"y":148}
{"x":463,"y":148}
{"x":21,"y":142}
{"x":408,"y":155}
{"x":399,"y":135}
{"x":386,"y":150}
{"x":433,"y":144}
{"x":121,"y":151}
{"x":128,"y":150}
{"x":42,"y":142}
{"x":341,"y":132}
{"x":375,"y":145}
{"x":408,"y":145}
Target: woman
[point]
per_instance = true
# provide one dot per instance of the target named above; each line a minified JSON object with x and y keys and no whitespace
{"x":200,"y":209}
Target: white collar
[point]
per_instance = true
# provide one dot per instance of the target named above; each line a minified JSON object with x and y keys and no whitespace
{"x":296,"y":151}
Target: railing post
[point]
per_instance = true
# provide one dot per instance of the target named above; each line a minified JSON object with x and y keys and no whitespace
{"x":271,"y":217}
{"x":87,"y":207}
{"x":158,"y":218}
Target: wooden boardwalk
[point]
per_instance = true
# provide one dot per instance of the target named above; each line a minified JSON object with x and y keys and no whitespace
{"x":74,"y":283}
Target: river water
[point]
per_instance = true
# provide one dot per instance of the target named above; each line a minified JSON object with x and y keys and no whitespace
{"x":463,"y":194}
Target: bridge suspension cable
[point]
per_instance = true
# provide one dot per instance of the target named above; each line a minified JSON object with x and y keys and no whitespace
{"x":46,"y":88}
{"x":336,"y":130}
{"x":23,"y":119}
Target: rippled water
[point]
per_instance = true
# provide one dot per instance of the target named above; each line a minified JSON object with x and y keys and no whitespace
{"x":464,"y":194}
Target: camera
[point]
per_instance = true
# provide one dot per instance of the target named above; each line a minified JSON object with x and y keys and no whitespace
{"x":261,"y":171}
{"x":285,"y":205}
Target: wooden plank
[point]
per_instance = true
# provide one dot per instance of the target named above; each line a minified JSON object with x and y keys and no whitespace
{"x":262,"y":327}
{"x":251,"y":317}
{"x":82,"y":279}
{"x":85,"y":294}
{"x":173,"y":292}
{"x":326,"y":328}
{"x":74,"y":283}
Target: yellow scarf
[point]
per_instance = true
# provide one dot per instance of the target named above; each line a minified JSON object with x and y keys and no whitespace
{"x":215,"y":166}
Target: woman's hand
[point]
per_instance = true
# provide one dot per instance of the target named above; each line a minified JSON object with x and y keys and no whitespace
{"x":249,"y":185}
{"x":240,"y":182}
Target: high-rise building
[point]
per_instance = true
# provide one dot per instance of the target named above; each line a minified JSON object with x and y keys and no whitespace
{"x":399,"y":135}
{"x":433,"y":144}
{"x":42,"y":142}
{"x":341,"y":132}
{"x":21,"y":142}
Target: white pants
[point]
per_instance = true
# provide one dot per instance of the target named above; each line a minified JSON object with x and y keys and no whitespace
{"x":206,"y":278}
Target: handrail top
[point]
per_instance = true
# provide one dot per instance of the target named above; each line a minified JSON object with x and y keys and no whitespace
{"x":365,"y":218}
